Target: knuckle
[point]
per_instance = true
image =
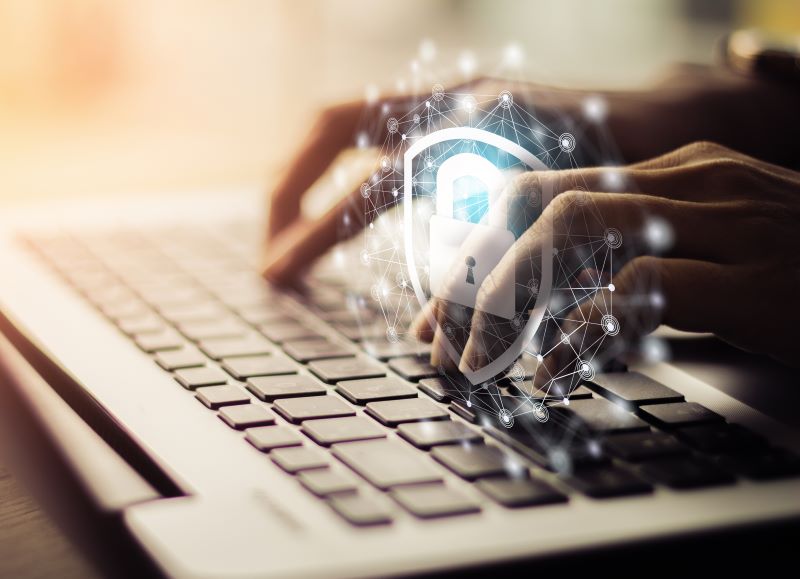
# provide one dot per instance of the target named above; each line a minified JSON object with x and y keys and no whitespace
{"x":524,"y":185}
{"x":640,"y":270}
{"x":703,"y":149}
{"x":564,"y":202}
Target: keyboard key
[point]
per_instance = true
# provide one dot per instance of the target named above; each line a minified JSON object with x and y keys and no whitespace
{"x":516,"y":492}
{"x":375,"y":389}
{"x":719,"y":438}
{"x":434,"y":500}
{"x":394,"y":412}
{"x":269,"y":388}
{"x":413,"y":368}
{"x":338,"y":369}
{"x":386,"y":463}
{"x":298,"y":409}
{"x":326,"y":482}
{"x":360,"y":510}
{"x":607,"y":481}
{"x":474,"y":462}
{"x":552,"y":392}
{"x":464,"y":410}
{"x":191,"y":378}
{"x":218,"y":396}
{"x":348,"y":316}
{"x":187,"y":357}
{"x":764,"y":465}
{"x":280,"y":333}
{"x":127,"y":309}
{"x":246,"y":416}
{"x":146,"y":324}
{"x":206,"y":329}
{"x":166,"y":340}
{"x":357,"y":332}
{"x":679,"y":414}
{"x":603,"y":416}
{"x":684,"y":472}
{"x":428,"y":434}
{"x":250,"y":366}
{"x":437,"y":388}
{"x":384,"y":350}
{"x":266,"y":438}
{"x":250,"y":345}
{"x":634,"y":388}
{"x":307,"y":350}
{"x":638,"y":446}
{"x":190,"y":312}
{"x":295,"y":459}
{"x":330,"y":431}
{"x":262,"y":314}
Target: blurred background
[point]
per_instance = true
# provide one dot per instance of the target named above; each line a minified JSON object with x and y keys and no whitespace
{"x":103,"y":97}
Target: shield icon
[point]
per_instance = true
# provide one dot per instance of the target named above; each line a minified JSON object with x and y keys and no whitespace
{"x":450,"y":236}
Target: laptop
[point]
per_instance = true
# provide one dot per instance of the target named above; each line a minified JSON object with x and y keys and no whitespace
{"x":227,"y":428}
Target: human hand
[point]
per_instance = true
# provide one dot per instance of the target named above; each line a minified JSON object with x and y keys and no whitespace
{"x":689,"y":103}
{"x":712,"y":245}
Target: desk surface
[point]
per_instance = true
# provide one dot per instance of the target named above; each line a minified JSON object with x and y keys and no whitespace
{"x":30,"y":543}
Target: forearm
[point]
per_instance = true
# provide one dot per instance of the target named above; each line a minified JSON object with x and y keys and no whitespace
{"x":756,"y":117}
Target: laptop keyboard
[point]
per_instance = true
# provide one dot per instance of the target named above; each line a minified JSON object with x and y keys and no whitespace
{"x":314,"y":390}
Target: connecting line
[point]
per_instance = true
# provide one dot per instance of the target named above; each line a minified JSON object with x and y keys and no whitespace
{"x":386,"y":257}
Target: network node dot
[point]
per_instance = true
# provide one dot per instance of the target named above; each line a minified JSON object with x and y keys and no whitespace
{"x":610,"y":325}
{"x":437,"y":92}
{"x":506,"y":418}
{"x":469,"y":104}
{"x":611,"y":287}
{"x":517,"y":372}
{"x":392,"y":125}
{"x":391,"y":335}
{"x":540,"y":412}
{"x":506,"y":99}
{"x":566,"y":142}
{"x":613,"y":238}
{"x":584,"y":369}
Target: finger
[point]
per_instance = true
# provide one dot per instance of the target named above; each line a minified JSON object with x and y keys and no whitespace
{"x":699,"y":232}
{"x":421,"y":327}
{"x":305,"y":240}
{"x":685,"y":294}
{"x":701,"y":180}
{"x":331,"y":133}
{"x":581,"y":225}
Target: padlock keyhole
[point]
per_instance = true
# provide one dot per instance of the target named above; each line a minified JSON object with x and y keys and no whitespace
{"x":470,"y":262}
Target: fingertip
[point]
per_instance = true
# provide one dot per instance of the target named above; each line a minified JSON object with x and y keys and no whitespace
{"x":421,"y":326}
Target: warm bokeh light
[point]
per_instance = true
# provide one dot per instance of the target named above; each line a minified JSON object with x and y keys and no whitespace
{"x":103,"y":96}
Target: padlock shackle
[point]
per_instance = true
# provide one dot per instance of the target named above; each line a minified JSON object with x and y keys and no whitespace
{"x":471,"y":165}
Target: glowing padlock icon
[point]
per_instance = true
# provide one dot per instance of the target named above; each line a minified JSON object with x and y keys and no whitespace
{"x":463,"y":254}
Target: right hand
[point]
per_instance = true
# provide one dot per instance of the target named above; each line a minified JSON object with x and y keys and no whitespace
{"x":690,"y":104}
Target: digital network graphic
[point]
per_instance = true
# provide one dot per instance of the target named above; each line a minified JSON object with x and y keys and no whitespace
{"x":448,"y":203}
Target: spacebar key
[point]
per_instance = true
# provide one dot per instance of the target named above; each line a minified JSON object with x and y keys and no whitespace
{"x":386,"y":463}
